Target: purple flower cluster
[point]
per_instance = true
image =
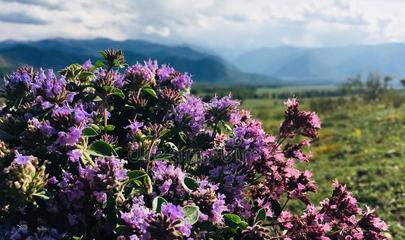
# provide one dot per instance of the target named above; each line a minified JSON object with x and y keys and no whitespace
{"x":107,"y":151}
{"x":338,"y":217}
{"x":191,"y":113}
{"x":20,"y":79}
{"x":299,"y":122}
{"x":93,"y":184}
{"x":48,"y":87}
{"x":145,"y":224}
{"x":169,"y":179}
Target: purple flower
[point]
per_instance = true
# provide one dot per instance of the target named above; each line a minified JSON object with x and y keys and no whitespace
{"x":18,"y":79}
{"x":169,"y":179}
{"x":80,"y":116}
{"x":224,"y":103}
{"x":69,"y":138}
{"x":191,"y":112}
{"x":120,"y":174}
{"x":21,"y":159}
{"x":44,"y":127}
{"x":87,"y":64}
{"x":164,"y":73}
{"x":173,"y":211}
{"x":46,"y":105}
{"x":48,"y":84}
{"x":141,"y":73}
{"x":182,"y":81}
{"x":101,"y":197}
{"x":53,"y":180}
{"x":138,"y":216}
{"x":74,"y":155}
{"x":134,"y":126}
{"x":296,"y":121}
{"x":218,"y":208}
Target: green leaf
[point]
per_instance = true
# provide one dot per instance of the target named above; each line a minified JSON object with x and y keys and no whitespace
{"x":243,"y":224}
{"x":99,"y":64}
{"x":276,"y":207}
{"x":97,"y":99}
{"x":111,"y":207}
{"x":190,"y":184}
{"x":101,"y":149}
{"x":150,"y":92}
{"x":103,"y":54}
{"x":227,"y":127}
{"x":260,"y":215}
{"x":89,"y":132}
{"x":94,"y":126}
{"x":129,"y":106}
{"x":108,"y":89}
{"x":109,"y":128}
{"x":43,"y":195}
{"x":172,"y":146}
{"x":164,"y":132}
{"x":157,"y":204}
{"x":191,"y":214}
{"x":136,"y":174}
{"x":232,"y":220}
{"x":183,"y":137}
{"x":86,"y":74}
{"x":118,"y":92}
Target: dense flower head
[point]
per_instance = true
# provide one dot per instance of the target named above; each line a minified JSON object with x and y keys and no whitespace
{"x":116,"y":151}
{"x":137,"y":217}
{"x":19,"y":80}
{"x":170,"y":178}
{"x":191,"y":113}
{"x":321,"y":222}
{"x":48,"y":87}
{"x":143,"y":73}
{"x":296,"y":121}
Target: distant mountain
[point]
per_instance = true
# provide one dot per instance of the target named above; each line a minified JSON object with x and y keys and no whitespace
{"x":324,"y":65}
{"x":57,"y":53}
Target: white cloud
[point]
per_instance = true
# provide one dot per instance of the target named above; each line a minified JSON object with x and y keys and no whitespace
{"x":233,"y":25}
{"x":161,"y":31}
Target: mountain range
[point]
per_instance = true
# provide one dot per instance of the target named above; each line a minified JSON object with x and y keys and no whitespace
{"x":264,"y":66}
{"x":58,"y":53}
{"x":324,"y":65}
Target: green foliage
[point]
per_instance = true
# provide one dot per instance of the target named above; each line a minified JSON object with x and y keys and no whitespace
{"x":191,"y":214}
{"x":157,"y":204}
{"x":101,"y":148}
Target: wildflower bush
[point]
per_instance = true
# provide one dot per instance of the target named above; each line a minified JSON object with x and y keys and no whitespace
{"x":111,"y":151}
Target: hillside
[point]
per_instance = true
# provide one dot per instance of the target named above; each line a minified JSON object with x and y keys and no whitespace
{"x":57,"y":53}
{"x":321,"y":65}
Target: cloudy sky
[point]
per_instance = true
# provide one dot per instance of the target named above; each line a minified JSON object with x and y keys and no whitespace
{"x":227,"y":25}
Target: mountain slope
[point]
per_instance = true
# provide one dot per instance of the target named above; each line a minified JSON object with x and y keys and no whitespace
{"x":57,"y":53}
{"x":331,"y":64}
{"x":305,"y":67}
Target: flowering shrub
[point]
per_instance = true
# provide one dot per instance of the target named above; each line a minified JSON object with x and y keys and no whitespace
{"x":110,"y":151}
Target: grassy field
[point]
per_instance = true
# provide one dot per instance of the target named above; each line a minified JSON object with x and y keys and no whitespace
{"x":295,"y":89}
{"x":361,"y":144}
